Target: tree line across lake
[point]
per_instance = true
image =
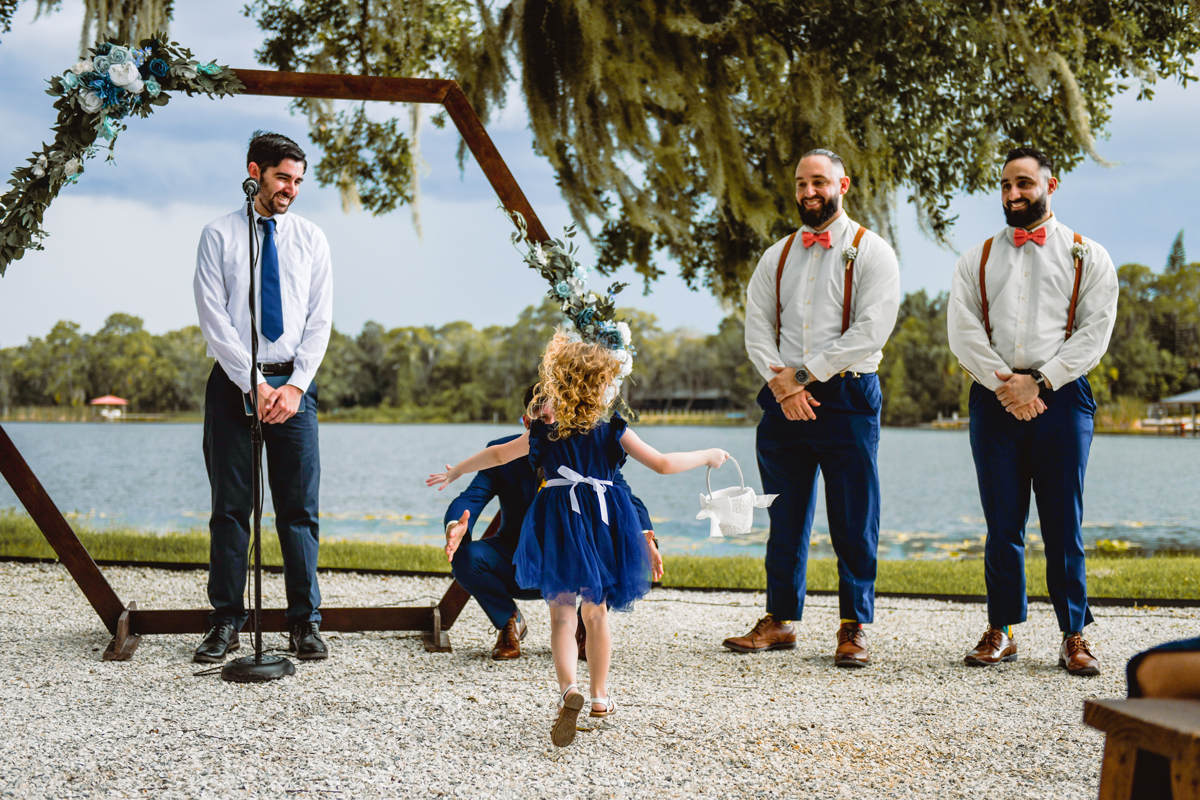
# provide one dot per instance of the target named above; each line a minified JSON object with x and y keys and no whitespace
{"x":457,"y":373}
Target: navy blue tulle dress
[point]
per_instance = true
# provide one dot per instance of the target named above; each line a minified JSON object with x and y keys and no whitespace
{"x":563,"y":551}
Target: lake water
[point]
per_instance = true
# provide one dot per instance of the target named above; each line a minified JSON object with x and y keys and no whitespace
{"x":1142,"y":490}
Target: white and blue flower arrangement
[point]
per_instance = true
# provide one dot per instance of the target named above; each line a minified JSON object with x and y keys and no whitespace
{"x":592,"y":316}
{"x":109,"y":83}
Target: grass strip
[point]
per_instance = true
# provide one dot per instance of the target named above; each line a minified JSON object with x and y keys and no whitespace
{"x":1164,"y":576}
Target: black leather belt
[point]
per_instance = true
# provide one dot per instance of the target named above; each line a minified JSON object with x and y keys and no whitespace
{"x":854,"y":374}
{"x":282,"y":368}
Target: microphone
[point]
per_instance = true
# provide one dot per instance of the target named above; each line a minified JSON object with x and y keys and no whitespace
{"x":250,"y":187}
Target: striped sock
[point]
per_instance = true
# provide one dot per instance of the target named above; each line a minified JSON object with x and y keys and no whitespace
{"x":1007,"y":630}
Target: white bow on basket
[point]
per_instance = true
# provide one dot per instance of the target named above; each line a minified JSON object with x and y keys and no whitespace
{"x":731,"y":510}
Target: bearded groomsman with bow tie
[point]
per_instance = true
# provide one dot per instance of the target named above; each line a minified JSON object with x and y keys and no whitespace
{"x":1031,"y":312}
{"x":819,"y":308}
{"x":294,"y":287}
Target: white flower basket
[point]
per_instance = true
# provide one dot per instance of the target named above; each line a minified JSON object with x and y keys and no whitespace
{"x":731,"y":511}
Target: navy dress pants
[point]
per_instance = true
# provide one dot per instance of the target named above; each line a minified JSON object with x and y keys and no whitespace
{"x":294,"y":474}
{"x":1048,"y":454}
{"x":487,"y":572}
{"x":842,"y":442}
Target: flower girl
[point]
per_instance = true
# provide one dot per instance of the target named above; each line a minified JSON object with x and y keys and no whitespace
{"x":581,"y":537}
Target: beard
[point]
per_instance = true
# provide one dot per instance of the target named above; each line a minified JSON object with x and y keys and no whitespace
{"x":1029,"y":215}
{"x":277,"y":203}
{"x":816,"y":217}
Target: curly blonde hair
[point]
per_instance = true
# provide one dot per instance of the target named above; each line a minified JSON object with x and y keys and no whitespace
{"x":572,"y":379}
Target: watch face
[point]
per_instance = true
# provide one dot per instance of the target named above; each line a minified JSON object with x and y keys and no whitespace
{"x":802,"y":375}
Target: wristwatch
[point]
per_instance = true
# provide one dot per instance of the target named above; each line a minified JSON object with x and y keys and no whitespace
{"x":802,"y":376}
{"x":1039,"y":379}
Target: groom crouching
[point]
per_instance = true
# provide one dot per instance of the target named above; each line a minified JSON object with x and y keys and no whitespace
{"x":485,"y":567}
{"x":819,"y":308}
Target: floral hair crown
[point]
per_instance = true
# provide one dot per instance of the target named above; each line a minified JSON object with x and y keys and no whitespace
{"x":592,"y":316}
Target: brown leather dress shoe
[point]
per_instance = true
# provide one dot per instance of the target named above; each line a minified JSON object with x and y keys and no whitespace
{"x":993,"y":648}
{"x":767,"y":634}
{"x":508,"y":641}
{"x":581,"y":640}
{"x":1076,"y":656}
{"x":851,"y":647}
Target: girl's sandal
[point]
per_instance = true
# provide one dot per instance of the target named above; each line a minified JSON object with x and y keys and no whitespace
{"x":610,"y":707}
{"x":569,"y":706}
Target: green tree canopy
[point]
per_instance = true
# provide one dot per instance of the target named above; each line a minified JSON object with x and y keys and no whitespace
{"x":676,"y":123}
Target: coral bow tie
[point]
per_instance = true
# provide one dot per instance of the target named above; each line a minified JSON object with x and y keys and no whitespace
{"x":1021,"y":236}
{"x":822,"y":238}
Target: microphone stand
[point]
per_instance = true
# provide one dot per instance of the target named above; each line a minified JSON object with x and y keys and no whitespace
{"x":256,"y":668}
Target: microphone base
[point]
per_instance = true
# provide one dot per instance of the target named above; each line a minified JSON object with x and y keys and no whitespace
{"x":248,"y":669}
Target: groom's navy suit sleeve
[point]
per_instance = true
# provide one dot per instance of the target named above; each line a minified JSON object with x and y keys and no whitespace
{"x":638,"y":505}
{"x":474,"y":498}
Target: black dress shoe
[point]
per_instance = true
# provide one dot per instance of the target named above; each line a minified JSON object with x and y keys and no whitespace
{"x":222,"y":639}
{"x":306,"y":642}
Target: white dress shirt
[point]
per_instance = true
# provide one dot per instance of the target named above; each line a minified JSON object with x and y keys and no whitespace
{"x":812,"y":288}
{"x":222,"y":287}
{"x":1029,"y":299}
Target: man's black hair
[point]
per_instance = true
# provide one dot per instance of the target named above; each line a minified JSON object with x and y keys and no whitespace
{"x":529,"y":395}
{"x":1041,"y":158}
{"x":270,"y":149}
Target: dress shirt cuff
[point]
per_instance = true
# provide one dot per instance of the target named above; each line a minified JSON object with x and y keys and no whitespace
{"x":820,"y":368}
{"x":1056,"y":373}
{"x":301,"y":379}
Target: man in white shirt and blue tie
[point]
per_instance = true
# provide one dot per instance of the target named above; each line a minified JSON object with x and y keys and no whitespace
{"x":295,"y":304}
{"x":1031,"y":312}
{"x":819,"y":308}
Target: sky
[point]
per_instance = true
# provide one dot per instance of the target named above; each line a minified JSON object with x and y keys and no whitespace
{"x":124,"y":238}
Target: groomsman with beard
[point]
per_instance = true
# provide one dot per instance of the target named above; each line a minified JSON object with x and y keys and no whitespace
{"x":819,"y":308}
{"x":1031,"y":312}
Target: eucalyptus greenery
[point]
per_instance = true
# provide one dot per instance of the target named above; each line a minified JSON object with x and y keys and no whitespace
{"x":108,"y":84}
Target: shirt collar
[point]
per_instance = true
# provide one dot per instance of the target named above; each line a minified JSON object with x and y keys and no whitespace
{"x":281,"y":221}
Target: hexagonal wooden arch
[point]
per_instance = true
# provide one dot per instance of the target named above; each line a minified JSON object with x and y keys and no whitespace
{"x":127,"y":623}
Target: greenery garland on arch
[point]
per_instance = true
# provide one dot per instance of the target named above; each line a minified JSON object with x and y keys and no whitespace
{"x":110,"y":83}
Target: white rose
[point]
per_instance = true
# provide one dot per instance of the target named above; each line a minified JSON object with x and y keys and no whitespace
{"x":91,"y":102}
{"x":610,"y":394}
{"x":123,"y":74}
{"x":626,"y":335}
{"x":135,"y":87}
{"x":81,"y":66}
{"x":626,"y":360}
{"x":38,"y":171}
{"x":71,"y":167}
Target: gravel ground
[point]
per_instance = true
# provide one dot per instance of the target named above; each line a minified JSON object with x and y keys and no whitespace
{"x":382,"y":718}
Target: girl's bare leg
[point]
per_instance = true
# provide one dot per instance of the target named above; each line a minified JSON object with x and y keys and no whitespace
{"x":562,"y":639}
{"x":599,"y":648}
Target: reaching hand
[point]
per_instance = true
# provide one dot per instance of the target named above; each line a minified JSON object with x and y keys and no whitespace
{"x":455,"y":533}
{"x":656,"y":562}
{"x":800,"y":406}
{"x":716,"y":457}
{"x":783,"y":385}
{"x":442,"y":479}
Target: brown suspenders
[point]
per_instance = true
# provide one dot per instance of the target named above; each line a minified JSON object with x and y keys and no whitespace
{"x":846,"y":291}
{"x":987,"y":326}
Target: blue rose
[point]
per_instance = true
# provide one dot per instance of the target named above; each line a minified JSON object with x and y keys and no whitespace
{"x":152,"y":87}
{"x":119,"y":55}
{"x":107,"y":129}
{"x":69,"y":81}
{"x":101,"y":64}
{"x":609,"y":338}
{"x":562,"y":289}
{"x":585,"y":316}
{"x":580,"y":274}
{"x":210,"y":69}
{"x":158,"y":67}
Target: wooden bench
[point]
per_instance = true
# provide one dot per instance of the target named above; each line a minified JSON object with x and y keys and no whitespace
{"x":1152,"y":749}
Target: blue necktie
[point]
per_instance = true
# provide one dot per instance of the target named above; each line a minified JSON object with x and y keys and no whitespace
{"x":272,"y":301}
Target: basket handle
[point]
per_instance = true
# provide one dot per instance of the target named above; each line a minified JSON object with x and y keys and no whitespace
{"x":708,"y":476}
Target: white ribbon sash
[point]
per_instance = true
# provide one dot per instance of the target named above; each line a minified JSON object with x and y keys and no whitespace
{"x":572,"y":478}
